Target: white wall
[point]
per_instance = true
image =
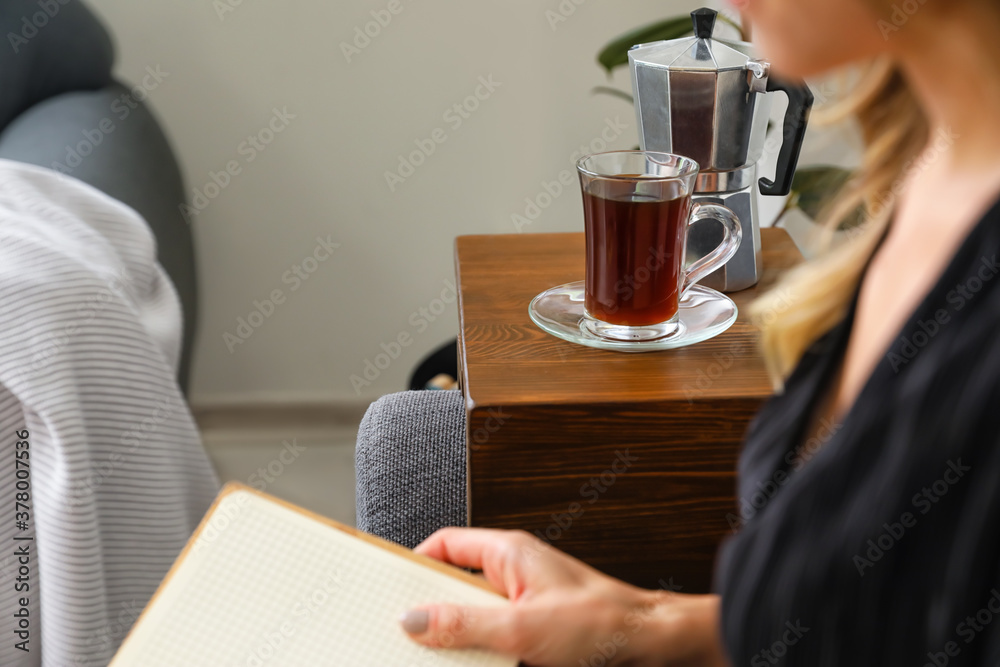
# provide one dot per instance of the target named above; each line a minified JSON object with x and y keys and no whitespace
{"x":323,"y":175}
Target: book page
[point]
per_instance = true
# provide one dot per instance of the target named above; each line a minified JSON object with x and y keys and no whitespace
{"x":264,"y":585}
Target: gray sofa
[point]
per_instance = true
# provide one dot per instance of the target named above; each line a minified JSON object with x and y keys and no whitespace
{"x":410,"y":465}
{"x":57,"y":89}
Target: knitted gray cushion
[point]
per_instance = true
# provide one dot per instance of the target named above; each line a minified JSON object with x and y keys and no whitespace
{"x":410,"y":465}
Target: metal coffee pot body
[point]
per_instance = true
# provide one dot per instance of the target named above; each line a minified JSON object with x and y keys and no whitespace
{"x":707,"y":99}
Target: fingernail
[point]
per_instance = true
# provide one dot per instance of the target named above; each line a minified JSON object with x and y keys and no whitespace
{"x":414,"y":621}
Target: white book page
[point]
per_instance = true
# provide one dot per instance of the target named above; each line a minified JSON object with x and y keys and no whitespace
{"x":266,"y":586}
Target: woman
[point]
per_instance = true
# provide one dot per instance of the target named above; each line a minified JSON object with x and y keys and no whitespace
{"x":882,"y":547}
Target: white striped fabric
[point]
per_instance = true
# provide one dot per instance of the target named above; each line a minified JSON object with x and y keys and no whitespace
{"x":90,"y":329}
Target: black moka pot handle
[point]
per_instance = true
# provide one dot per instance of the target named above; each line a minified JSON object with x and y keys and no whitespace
{"x":800,"y":102}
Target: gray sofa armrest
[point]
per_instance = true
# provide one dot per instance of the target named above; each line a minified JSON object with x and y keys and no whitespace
{"x":132,"y":163}
{"x":50,"y":48}
{"x":410,"y":465}
{"x":61,"y":109}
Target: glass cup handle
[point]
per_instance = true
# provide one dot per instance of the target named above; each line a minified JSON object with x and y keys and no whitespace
{"x":732,"y":236}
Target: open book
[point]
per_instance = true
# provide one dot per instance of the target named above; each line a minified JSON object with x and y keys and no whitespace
{"x":264,"y":583}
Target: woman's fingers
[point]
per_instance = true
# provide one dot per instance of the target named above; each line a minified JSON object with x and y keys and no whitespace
{"x":464,"y":547}
{"x":470,"y":547}
{"x":451,"y":626}
{"x":501,"y":554}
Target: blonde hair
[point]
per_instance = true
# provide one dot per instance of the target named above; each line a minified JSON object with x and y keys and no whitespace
{"x":895,"y":130}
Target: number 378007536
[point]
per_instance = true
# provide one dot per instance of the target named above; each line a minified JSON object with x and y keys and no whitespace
{"x":22,"y":474}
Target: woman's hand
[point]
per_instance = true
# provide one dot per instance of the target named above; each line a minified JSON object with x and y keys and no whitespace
{"x":562,"y":611}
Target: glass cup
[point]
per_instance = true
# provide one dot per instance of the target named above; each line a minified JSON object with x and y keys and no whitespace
{"x":638,"y":209}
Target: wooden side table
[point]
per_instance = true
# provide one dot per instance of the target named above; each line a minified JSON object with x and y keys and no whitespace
{"x":626,"y":461}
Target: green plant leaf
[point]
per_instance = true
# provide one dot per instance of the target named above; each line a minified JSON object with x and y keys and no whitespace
{"x":815,"y":187}
{"x":613,"y":92}
{"x":615,"y":53}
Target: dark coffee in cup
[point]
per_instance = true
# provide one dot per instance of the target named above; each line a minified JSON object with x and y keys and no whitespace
{"x":635,"y":255}
{"x":638,"y":210}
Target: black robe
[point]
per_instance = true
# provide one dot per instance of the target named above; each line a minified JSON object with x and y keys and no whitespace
{"x":884,"y":547}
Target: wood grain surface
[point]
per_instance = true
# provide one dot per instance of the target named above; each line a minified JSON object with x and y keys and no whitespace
{"x":624,"y":460}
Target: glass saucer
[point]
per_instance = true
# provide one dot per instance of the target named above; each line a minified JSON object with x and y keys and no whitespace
{"x":704,"y":313}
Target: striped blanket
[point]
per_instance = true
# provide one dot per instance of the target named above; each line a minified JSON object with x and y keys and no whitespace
{"x":102,"y":472}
